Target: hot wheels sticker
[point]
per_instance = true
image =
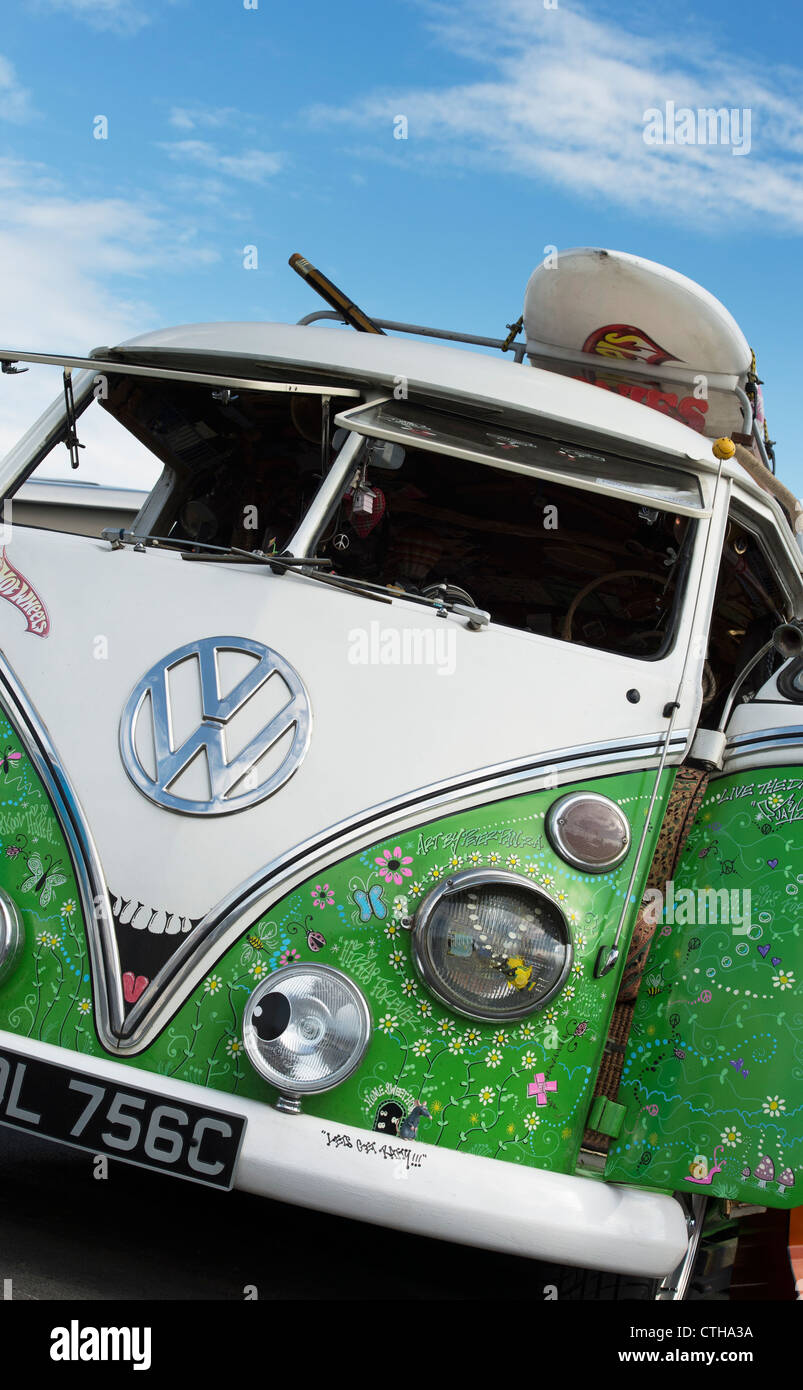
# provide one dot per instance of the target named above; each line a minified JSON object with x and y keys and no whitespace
{"x":15,"y":587}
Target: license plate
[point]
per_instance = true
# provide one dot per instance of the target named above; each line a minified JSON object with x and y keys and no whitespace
{"x":137,"y":1126}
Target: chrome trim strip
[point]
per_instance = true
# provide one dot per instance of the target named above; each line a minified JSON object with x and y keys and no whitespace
{"x":223,"y":922}
{"x":106,"y":982}
{"x":127,"y":1034}
{"x":791,"y":732}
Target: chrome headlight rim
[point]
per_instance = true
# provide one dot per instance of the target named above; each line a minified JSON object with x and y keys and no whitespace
{"x":285,"y":1085}
{"x":456,"y":883}
{"x":557,"y":839}
{"x":10,"y":934}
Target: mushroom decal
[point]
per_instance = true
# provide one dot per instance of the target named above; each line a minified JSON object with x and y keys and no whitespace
{"x":765,"y":1172}
{"x":787,"y":1179}
{"x":746,"y":1172}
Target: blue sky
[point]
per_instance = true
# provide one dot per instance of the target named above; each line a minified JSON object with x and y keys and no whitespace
{"x":273,"y":126}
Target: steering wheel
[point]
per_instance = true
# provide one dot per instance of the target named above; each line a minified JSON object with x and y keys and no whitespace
{"x":566,"y":634}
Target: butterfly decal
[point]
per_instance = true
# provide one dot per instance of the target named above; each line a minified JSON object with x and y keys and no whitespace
{"x":9,"y":756}
{"x":43,"y":878}
{"x":371,"y":904}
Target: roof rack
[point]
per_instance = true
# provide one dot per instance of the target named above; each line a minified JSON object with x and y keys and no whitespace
{"x":750,"y":425}
{"x":503,"y":344}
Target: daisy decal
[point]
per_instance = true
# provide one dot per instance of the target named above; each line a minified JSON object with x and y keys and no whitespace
{"x":494,"y":859}
{"x":445,"y":1026}
{"x":392,"y":865}
{"x":574,"y":919}
{"x":527,"y":1030}
{"x":580,"y":941}
{"x":416,"y":889}
{"x":455,"y":861}
{"x":392,"y":930}
{"x":425,"y":1008}
{"x":513,"y":861}
{"x":473,"y":1037}
{"x":577,"y":968}
{"x":499,"y":1039}
{"x":493,"y":1058}
{"x":387,"y":1023}
{"x":213,"y":984}
{"x":234,"y":1047}
{"x":84,"y":1007}
{"x":548,"y":880}
{"x":400,"y":906}
{"x":396,"y":959}
{"x":323,"y":896}
{"x":436,"y":873}
{"x":474,"y":858}
{"x":409,"y":988}
{"x":774,"y":1105}
{"x":486,"y":1095}
{"x":456,"y":1045}
{"x":569,"y":992}
{"x":731,"y":1137}
{"x":68,"y":908}
{"x":531,"y":1121}
{"x":783,"y":980}
{"x":528,"y":1060}
{"x":421,"y":1048}
{"x":259,"y":970}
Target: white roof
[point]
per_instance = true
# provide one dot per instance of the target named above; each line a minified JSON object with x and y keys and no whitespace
{"x":437,"y":371}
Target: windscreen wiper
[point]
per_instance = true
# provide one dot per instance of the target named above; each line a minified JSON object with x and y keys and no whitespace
{"x":204,"y":550}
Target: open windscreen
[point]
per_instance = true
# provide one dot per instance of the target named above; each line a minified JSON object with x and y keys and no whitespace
{"x":580,"y":546}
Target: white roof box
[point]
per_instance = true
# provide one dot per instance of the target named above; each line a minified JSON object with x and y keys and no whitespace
{"x":641,"y":330}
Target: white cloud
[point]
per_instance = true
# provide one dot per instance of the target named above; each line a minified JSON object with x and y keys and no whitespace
{"x":210,"y":117}
{"x":15,"y":100}
{"x":73,"y":275}
{"x":119,"y":16}
{"x":254,"y":166}
{"x":563,"y":97}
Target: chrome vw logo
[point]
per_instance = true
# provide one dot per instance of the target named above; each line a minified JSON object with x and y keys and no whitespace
{"x":241,"y":750}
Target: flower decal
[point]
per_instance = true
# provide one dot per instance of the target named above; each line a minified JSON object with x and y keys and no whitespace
{"x":213,"y":984}
{"x":783,"y":980}
{"x":387,"y":1023}
{"x":323,"y":896}
{"x":486,"y":1095}
{"x":392,"y":865}
{"x":774,"y":1105}
{"x":731,"y":1137}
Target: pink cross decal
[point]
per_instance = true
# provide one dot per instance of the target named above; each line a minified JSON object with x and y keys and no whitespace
{"x":539,"y":1086}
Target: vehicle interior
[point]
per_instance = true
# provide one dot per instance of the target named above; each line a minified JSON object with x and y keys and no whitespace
{"x":240,"y":470}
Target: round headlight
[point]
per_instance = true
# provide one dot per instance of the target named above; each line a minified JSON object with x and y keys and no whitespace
{"x":491,"y":945}
{"x":589,"y":831}
{"x":10,"y":933}
{"x":306,"y":1029}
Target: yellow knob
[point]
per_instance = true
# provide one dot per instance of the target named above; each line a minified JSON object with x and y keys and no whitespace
{"x":724,"y":448}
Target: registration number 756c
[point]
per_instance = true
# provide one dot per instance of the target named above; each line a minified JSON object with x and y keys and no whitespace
{"x":187,"y":1140}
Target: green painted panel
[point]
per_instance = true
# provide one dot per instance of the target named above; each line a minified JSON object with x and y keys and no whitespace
{"x":713,"y":1075}
{"x":519,"y":1093}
